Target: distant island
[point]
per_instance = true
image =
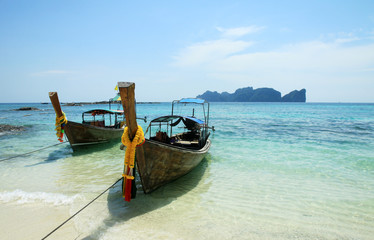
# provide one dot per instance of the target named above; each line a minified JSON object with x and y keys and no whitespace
{"x":75,"y":104}
{"x":249,"y":94}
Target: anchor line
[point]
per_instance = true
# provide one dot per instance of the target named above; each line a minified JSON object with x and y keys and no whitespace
{"x":82,"y":208}
{"x":24,"y":154}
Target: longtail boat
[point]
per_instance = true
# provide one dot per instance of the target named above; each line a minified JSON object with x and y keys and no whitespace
{"x":97,"y":126}
{"x":174,"y":144}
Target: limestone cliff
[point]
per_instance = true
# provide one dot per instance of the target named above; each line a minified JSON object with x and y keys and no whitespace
{"x":249,"y":94}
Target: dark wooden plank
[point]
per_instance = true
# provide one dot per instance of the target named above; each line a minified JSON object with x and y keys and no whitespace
{"x":165,"y":163}
{"x":56,"y":103}
{"x":127,"y":93}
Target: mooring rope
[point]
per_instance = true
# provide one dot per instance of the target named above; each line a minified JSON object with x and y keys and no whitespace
{"x":24,"y":154}
{"x":82,"y":209}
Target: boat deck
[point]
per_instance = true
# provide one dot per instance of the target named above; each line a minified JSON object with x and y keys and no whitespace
{"x":185,"y":140}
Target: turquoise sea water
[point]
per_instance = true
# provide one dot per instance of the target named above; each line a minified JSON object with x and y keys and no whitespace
{"x":274,"y":171}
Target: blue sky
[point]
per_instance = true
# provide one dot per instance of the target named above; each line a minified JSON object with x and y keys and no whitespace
{"x":175,"y":49}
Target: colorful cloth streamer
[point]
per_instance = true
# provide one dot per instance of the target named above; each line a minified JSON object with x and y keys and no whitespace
{"x":128,"y":174}
{"x":60,"y":124}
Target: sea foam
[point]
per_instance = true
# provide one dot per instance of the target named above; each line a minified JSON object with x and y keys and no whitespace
{"x":22,"y":197}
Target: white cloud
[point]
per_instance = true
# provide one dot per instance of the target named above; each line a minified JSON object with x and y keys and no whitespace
{"x":315,"y":56}
{"x":346,"y":40}
{"x":238,"y":32}
{"x":309,"y":56}
{"x":322,"y":67}
{"x":209,"y":51}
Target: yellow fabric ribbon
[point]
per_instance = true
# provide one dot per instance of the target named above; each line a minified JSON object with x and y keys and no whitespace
{"x":125,"y":176}
{"x":130,"y":158}
{"x":131,"y":146}
{"x":59,"y":128}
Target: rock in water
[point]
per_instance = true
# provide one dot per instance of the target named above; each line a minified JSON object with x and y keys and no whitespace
{"x":27,"y":109}
{"x":10,"y":128}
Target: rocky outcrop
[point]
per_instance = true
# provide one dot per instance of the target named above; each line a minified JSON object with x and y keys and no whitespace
{"x":295,"y":96}
{"x":249,"y":94}
{"x":27,"y":109}
{"x":10,"y":128}
{"x":72,"y":104}
{"x":213,"y":97}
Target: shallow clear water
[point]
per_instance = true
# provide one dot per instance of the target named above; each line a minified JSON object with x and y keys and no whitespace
{"x":274,"y":171}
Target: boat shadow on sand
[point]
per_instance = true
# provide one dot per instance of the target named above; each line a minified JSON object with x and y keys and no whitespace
{"x":67,"y":151}
{"x":121,"y":211}
{"x":88,"y":149}
{"x":57,"y":154}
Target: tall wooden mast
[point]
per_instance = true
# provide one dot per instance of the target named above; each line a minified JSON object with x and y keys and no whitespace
{"x":56,"y":103}
{"x":127,"y":93}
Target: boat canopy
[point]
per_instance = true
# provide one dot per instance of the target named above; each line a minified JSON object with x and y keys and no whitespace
{"x":191,"y":100}
{"x":170,"y":118}
{"x":116,"y":98}
{"x":95,"y":112}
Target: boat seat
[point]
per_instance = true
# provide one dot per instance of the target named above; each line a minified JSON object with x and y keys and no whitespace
{"x":162,"y":137}
{"x":98,"y":123}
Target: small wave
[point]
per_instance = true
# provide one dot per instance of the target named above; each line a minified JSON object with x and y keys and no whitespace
{"x":22,"y":197}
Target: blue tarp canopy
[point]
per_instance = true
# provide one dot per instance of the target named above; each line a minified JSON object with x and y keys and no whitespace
{"x":175,"y":117}
{"x":195,"y":120}
{"x":192,"y":100}
{"x":166,"y":118}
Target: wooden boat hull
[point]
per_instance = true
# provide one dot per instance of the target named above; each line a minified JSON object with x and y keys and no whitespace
{"x":159,"y":163}
{"x":80,"y":134}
